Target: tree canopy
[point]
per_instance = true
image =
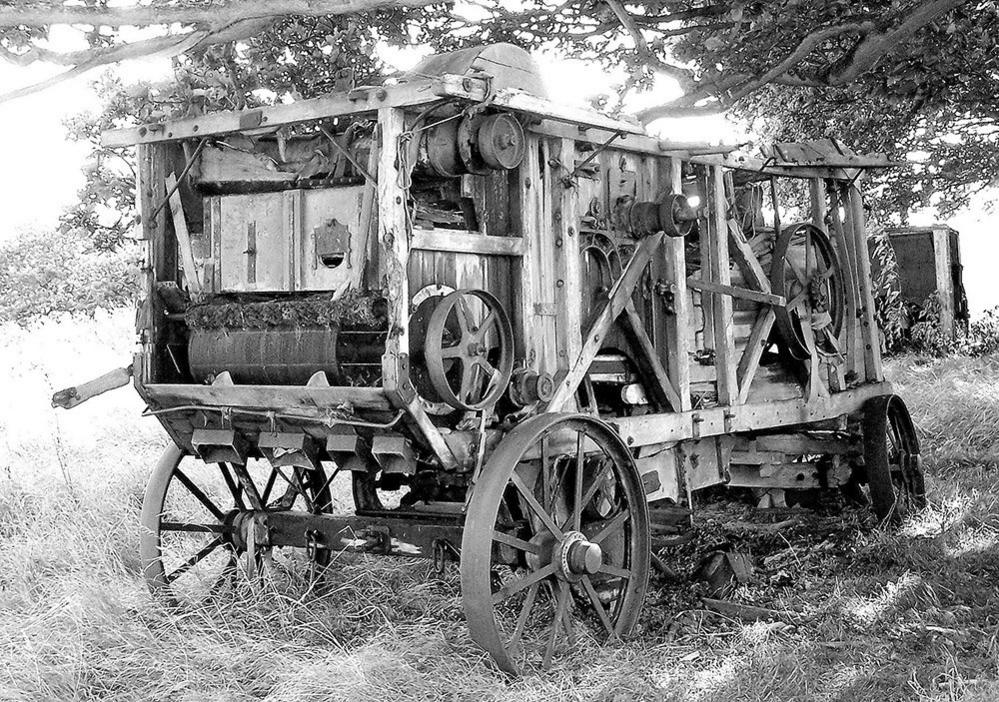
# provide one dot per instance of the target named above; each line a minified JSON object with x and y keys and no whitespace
{"x":912,"y":78}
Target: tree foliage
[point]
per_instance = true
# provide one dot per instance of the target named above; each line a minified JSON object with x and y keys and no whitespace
{"x":916,"y":79}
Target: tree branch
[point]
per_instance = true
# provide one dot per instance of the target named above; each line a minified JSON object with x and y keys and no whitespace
{"x":219,"y":13}
{"x":683,"y":75}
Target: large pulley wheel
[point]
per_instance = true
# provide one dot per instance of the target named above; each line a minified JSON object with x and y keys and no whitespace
{"x":807,"y":272}
{"x":468,"y":349}
{"x":893,"y":471}
{"x":199,"y":522}
{"x":556,"y":537}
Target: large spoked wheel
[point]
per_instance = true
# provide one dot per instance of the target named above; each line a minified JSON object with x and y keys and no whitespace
{"x":198,"y":522}
{"x":469,"y":349}
{"x":806,"y":271}
{"x":556,"y":537}
{"x":892,"y":466}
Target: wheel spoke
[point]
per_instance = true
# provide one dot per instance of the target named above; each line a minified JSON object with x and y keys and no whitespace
{"x":452,"y":352}
{"x":249,"y":488}
{"x":464,"y":317}
{"x":532,"y":502}
{"x":577,"y":508}
{"x":590,"y":493}
{"x":195,"y":559}
{"x":801,"y":276}
{"x":491,"y":319}
{"x":468,"y":373}
{"x":614,"y":524}
{"x":516,"y":543}
{"x":561,"y":606}
{"x":237,"y":492}
{"x":200,"y":528}
{"x":196,"y":491}
{"x":518,"y":585}
{"x":597,"y":604}
{"x":525,"y":613}
{"x":615,"y":571}
{"x":266,"y":496}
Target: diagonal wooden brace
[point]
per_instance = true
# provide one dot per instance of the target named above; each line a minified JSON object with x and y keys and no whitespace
{"x":617,"y":300}
{"x":654,"y":376}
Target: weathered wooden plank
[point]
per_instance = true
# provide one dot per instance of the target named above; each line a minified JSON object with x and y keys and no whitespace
{"x":466,"y":242}
{"x":191,"y":274}
{"x":659,"y":427}
{"x":617,"y":299}
{"x":750,"y":360}
{"x":744,"y":257}
{"x":851,"y":341}
{"x":313,"y":401}
{"x":678,"y":321}
{"x":657,"y":382}
{"x":945,"y":283}
{"x":708,"y":286}
{"x":568,"y":277}
{"x":720,"y":274}
{"x":869,"y":326}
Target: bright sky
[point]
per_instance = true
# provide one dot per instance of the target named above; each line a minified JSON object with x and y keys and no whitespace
{"x":41,"y":169}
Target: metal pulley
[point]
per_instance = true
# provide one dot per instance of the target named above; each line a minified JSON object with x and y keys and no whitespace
{"x":672,"y":215}
{"x":475,"y":144}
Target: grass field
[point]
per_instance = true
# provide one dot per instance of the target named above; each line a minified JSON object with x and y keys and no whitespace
{"x":866,"y":615}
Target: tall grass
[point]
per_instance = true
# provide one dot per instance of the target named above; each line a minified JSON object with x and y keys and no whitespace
{"x":867,"y":615}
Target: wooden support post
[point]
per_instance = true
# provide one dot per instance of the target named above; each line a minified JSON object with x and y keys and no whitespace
{"x":678,"y":323}
{"x":817,"y":195}
{"x":720,"y":272}
{"x":394,"y":238}
{"x":191,"y":274}
{"x":945,"y":283}
{"x":851,"y":342}
{"x":704,"y":236}
{"x":869,"y":326}
{"x":568,"y":287}
{"x":160,"y":258}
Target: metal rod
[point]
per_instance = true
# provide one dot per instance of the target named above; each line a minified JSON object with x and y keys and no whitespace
{"x":180,"y":179}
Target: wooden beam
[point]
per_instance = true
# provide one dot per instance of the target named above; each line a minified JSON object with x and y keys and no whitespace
{"x":656,"y":381}
{"x":720,"y":273}
{"x":735,"y":291}
{"x":393,"y":237}
{"x":742,"y":253}
{"x":312,"y":402}
{"x":338,"y":104}
{"x":851,"y":340}
{"x":617,"y":299}
{"x":869,"y":325}
{"x":466,"y":242}
{"x":944,"y":282}
{"x":678,"y":322}
{"x":753,"y":352}
{"x":183,"y":237}
{"x":659,"y":427}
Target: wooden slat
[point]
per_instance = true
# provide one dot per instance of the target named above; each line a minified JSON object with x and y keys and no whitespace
{"x":618,"y":297}
{"x":750,"y":360}
{"x":744,"y":257}
{"x":657,"y":382}
{"x":392,"y":234}
{"x":183,"y":236}
{"x":734,"y":291}
{"x":466,"y":242}
{"x":309,"y":401}
{"x":215,"y":123}
{"x":659,"y":427}
{"x":869,"y":326}
{"x":568,"y":283}
{"x":720,"y":274}
{"x":678,"y":323}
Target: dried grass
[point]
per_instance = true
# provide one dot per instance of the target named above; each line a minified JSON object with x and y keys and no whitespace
{"x":912,"y":615}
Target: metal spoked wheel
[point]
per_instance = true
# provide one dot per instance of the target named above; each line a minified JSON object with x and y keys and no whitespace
{"x":197,"y":523}
{"x":469,"y":349}
{"x":556,"y":536}
{"x":806,"y":271}
{"x":893,"y":470}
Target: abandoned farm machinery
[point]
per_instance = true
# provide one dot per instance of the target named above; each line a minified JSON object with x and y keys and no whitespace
{"x":523,"y":330}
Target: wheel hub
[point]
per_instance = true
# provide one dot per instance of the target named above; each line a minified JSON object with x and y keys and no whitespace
{"x":578,"y":557}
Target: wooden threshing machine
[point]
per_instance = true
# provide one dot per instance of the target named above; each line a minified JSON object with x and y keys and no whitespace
{"x":519,"y":327}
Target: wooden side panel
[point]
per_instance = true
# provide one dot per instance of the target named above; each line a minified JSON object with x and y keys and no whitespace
{"x":945,"y":282}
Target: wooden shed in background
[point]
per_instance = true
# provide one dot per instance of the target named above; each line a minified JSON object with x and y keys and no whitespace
{"x":929,"y":260}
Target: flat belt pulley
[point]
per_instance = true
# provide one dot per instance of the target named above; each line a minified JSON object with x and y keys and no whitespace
{"x":476,"y":144}
{"x":466,"y":342}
